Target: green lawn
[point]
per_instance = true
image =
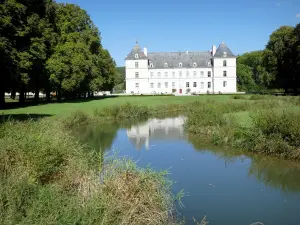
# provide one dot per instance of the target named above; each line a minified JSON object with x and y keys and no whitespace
{"x":90,"y":105}
{"x":244,"y":118}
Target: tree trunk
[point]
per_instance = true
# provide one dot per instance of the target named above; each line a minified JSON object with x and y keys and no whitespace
{"x":48,"y":95}
{"x":13,"y":93}
{"x":58,"y":95}
{"x":36,"y":94}
{"x":21,"y":97}
{"x":2,"y":97}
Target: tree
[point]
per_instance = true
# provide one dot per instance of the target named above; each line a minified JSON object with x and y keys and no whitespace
{"x":79,"y":64}
{"x":45,"y":46}
{"x":11,"y":13}
{"x":251,"y":72}
{"x":120,"y":78}
{"x":281,"y":58}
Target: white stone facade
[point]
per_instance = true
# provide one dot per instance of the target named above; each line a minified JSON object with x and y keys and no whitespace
{"x":216,"y":75}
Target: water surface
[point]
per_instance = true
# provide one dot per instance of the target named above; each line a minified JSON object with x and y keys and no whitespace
{"x":230,"y":188}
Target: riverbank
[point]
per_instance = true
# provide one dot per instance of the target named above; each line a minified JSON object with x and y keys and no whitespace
{"x":49,"y":177}
{"x":259,"y":124}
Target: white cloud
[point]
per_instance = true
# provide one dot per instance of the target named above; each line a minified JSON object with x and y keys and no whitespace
{"x":298,"y":15}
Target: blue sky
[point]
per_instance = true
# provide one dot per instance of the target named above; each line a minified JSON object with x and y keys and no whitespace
{"x":194,"y":25}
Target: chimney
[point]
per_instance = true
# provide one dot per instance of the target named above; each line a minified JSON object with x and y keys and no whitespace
{"x":145,"y":51}
{"x":214,"y":49}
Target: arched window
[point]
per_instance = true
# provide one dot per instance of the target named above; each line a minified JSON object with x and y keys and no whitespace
{"x":224,"y":54}
{"x":180,"y":64}
{"x":136,"y":56}
{"x":195,"y":64}
{"x":166,"y":65}
{"x":224,"y":63}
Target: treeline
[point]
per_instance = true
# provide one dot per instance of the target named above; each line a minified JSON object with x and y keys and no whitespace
{"x":51,"y":48}
{"x":277,"y":67}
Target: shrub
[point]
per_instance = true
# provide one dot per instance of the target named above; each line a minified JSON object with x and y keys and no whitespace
{"x":47,"y":177}
{"x":261,"y":97}
{"x":123,"y":111}
{"x":238,"y":97}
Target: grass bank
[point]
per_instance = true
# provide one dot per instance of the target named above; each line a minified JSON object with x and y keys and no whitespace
{"x":90,"y":105}
{"x":47,"y":177}
{"x":269,"y":125}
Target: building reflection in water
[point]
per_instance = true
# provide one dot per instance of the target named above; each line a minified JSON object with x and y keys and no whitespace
{"x":156,"y":129}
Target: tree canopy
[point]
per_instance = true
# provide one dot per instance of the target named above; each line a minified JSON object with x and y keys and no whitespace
{"x":275,"y":67}
{"x":51,"y":47}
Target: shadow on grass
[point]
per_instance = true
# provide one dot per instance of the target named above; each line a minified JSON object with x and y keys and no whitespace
{"x":22,"y":117}
{"x":42,"y":101}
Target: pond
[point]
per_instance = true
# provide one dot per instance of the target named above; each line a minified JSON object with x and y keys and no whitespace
{"x":227,"y":186}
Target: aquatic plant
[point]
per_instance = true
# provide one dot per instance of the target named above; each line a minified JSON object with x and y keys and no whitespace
{"x":48,"y":177}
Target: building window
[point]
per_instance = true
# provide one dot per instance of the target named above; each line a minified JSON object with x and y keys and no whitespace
{"x":166,"y":84}
{"x":195,"y":84}
{"x":224,"y":54}
{"x":180,"y":64}
{"x":209,"y":73}
{"x":187,"y":84}
{"x":136,"y":56}
{"x":137,"y":85}
{"x":195,"y":73}
{"x":202,"y":85}
{"x":151,"y":74}
{"x":209,"y":64}
{"x":136,"y":64}
{"x":202,"y":73}
{"x":194,"y":64}
{"x":224,"y":83}
{"x":158,"y":85}
{"x":136,"y":74}
{"x":180,"y":73}
{"x":166,"y":74}
{"x":166,"y":65}
{"x":173,"y":84}
{"x":151,"y":65}
{"x":187,"y":73}
{"x":151,"y":85}
{"x":224,"y":73}
{"x":173,"y":74}
{"x":224,"y":63}
{"x":158,"y":74}
{"x":209,"y":85}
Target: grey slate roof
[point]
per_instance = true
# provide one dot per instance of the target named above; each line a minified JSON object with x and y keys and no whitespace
{"x":223,"y":48}
{"x":158,"y":59}
{"x":136,"y":50}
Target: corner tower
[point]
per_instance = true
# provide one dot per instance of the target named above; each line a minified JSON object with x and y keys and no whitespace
{"x":137,"y":76}
{"x":224,"y":69}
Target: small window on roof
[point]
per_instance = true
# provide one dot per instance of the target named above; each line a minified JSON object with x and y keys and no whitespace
{"x":151,"y":65}
{"x":208,"y":63}
{"x":136,"y":56}
{"x":180,"y":64}
{"x":195,"y":64}
{"x":166,"y":65}
{"x":224,"y":54}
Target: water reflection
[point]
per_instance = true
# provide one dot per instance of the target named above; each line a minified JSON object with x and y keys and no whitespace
{"x":156,"y":129}
{"x":221,"y":179}
{"x":273,"y":172}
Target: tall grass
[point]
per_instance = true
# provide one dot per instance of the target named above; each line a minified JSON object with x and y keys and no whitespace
{"x":47,"y":177}
{"x":272,"y":130}
{"x":276,"y":132}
